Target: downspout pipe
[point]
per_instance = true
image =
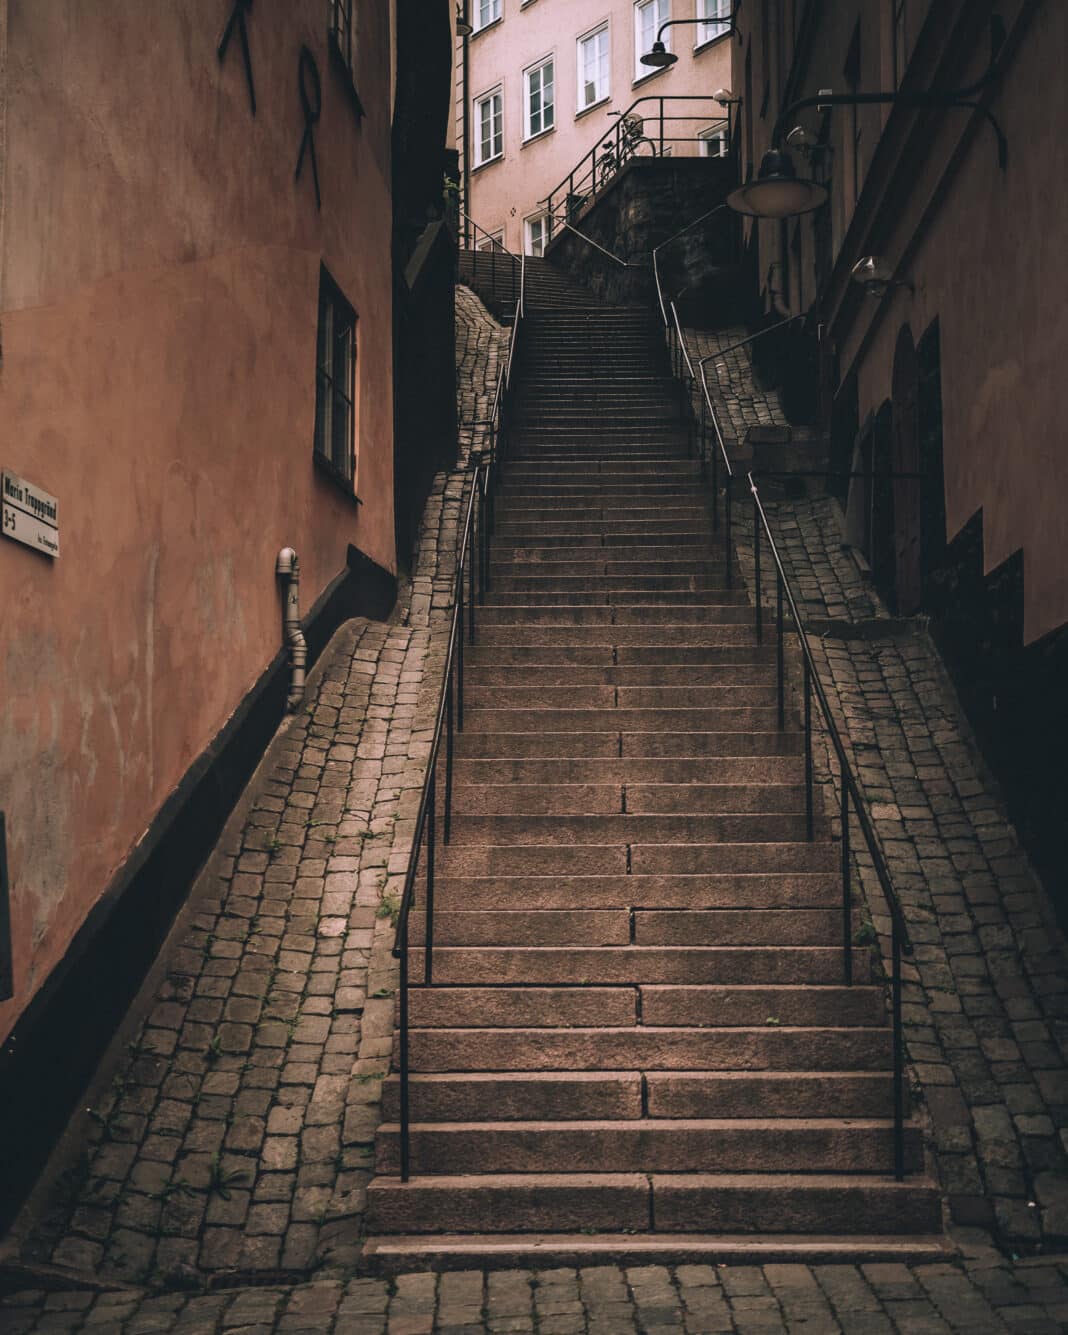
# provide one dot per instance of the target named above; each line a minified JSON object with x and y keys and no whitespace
{"x":287,"y":568}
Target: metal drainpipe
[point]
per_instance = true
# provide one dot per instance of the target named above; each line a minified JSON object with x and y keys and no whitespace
{"x":287,"y":567}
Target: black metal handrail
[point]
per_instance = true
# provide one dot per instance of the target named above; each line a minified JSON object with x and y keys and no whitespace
{"x":625,"y":140}
{"x":850,"y":796}
{"x":510,"y":265}
{"x":470,"y":584}
{"x":683,"y":369}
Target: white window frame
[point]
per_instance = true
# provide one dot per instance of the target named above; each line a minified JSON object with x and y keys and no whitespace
{"x":528,"y":129}
{"x":480,"y":102}
{"x":496,"y":10}
{"x":663,"y":11}
{"x":528,"y":233}
{"x":491,"y":242}
{"x":710,"y":9}
{"x":580,"y":104}
{"x":715,"y":134}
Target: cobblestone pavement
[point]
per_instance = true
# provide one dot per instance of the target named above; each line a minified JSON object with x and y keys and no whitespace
{"x":982,"y":1296}
{"x":234,"y":1142}
{"x":238,"y":1122}
{"x":986,"y":1001}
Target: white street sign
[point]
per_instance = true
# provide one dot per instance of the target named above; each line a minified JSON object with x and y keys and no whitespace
{"x":30,"y":515}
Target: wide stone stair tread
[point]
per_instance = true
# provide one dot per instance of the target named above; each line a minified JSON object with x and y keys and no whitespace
{"x":508,"y":1251}
{"x":705,"y":1203}
{"x":637,"y":1041}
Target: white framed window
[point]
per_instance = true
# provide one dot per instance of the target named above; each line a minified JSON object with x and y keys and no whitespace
{"x":494,"y":241}
{"x":712,"y":9}
{"x":649,"y":16}
{"x":489,"y":126}
{"x":714,"y":142}
{"x":539,"y":98}
{"x":486,"y":12}
{"x":536,"y":234}
{"x":593,"y":67}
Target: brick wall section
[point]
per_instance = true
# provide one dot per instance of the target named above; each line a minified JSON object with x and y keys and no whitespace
{"x":232,"y":1128}
{"x":986,"y":1001}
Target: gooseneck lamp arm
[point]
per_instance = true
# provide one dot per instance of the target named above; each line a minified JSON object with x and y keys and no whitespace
{"x":727,"y":20}
{"x":954,"y":97}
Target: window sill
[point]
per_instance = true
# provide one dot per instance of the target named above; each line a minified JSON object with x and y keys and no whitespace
{"x":601,"y":102}
{"x":700,"y":47}
{"x":533,"y":138}
{"x":653,"y":74}
{"x":488,"y":28}
{"x":336,"y":477}
{"x":481,"y":166}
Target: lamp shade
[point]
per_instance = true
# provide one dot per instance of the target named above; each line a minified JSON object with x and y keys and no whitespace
{"x":659,"y":56}
{"x":463,"y":25}
{"x":777,"y":192}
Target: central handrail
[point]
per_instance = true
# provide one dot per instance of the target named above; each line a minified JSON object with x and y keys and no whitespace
{"x":850,"y":798}
{"x":471,"y":583}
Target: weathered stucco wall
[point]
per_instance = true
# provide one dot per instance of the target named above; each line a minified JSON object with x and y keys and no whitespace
{"x":159,"y":307}
{"x":980,"y":246}
{"x":994,"y":271}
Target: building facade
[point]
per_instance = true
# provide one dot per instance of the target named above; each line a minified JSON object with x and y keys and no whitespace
{"x":542,"y":85}
{"x":196,"y":309}
{"x":940,"y":383}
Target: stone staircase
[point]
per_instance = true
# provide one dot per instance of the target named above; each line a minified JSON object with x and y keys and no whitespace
{"x":547,"y":289}
{"x":638,"y":1043}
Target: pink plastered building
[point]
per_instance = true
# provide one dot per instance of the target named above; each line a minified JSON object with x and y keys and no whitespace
{"x":538,"y":83}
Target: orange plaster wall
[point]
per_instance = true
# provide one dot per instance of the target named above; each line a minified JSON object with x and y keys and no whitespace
{"x":159,"y":302}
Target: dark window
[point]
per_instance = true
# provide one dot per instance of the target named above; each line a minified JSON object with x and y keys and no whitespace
{"x":335,"y":381}
{"x":343,"y":46}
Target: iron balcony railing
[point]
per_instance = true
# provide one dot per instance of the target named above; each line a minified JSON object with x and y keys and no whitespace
{"x":471,"y":583}
{"x":650,"y":127}
{"x":851,"y":799}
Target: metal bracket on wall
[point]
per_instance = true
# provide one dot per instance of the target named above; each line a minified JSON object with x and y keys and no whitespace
{"x":7,"y":971}
{"x":308,"y":70}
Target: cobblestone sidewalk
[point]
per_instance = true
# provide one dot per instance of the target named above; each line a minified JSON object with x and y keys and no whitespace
{"x":986,"y":1001}
{"x":982,"y":1296}
{"x":239,"y":1119}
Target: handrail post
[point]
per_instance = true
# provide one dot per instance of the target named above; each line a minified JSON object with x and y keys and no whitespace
{"x":661,"y":127}
{"x":809,"y":823}
{"x":780,"y":651}
{"x":756,"y":572}
{"x":460,"y":651}
{"x":847,"y":902}
{"x":728,"y":504}
{"x":405,"y":1119}
{"x":899,"y":1056}
{"x":471,"y":582}
{"x":449,"y":684}
{"x":428,"y":914}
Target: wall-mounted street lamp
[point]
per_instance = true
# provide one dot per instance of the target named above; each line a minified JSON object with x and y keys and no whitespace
{"x":660,"y":56}
{"x":463,"y":25}
{"x":778,"y":191}
{"x":876,"y":276}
